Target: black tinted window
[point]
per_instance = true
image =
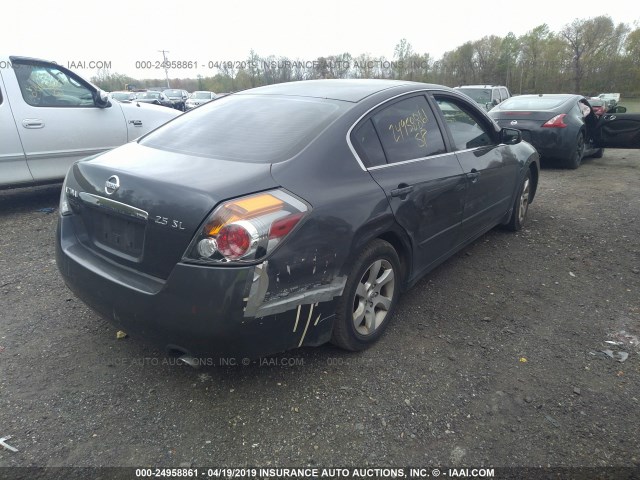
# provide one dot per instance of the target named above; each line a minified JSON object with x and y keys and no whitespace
{"x":249,"y":128}
{"x":367,"y":144}
{"x":465,"y":127}
{"x":408,"y":130}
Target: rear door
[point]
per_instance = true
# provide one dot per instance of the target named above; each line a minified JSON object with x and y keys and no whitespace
{"x":403,"y":147}
{"x":57,"y":119}
{"x":490,"y":171}
{"x":618,"y":130}
{"x":13,"y":163}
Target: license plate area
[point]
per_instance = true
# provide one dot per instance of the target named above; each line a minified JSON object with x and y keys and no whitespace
{"x":118,"y":234}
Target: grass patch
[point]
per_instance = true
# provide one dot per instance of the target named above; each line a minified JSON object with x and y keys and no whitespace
{"x":632,"y":104}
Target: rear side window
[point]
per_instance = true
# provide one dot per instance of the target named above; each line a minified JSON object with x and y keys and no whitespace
{"x":408,"y":130}
{"x":248,"y":128}
{"x":367,"y":144}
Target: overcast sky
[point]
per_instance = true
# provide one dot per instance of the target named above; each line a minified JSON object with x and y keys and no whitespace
{"x":124,"y":33}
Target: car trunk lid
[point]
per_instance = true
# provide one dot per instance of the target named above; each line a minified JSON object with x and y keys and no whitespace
{"x":146,"y":220}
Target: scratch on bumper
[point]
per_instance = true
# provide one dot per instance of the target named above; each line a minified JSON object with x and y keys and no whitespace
{"x":287,"y":299}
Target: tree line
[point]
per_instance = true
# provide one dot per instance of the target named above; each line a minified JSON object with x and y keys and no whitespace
{"x":587,"y":56}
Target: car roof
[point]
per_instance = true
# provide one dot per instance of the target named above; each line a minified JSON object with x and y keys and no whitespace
{"x":337,"y":89}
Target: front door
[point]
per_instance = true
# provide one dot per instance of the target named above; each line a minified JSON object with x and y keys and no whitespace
{"x":491,"y":174}
{"x":618,"y":130}
{"x":57,"y":119}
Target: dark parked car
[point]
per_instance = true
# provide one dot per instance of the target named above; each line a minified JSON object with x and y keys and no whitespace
{"x":561,"y":126}
{"x":157,"y":98}
{"x":287,"y":215}
{"x":178,"y":97}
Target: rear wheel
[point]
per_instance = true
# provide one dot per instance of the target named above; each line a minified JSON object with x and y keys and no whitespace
{"x":575,"y":159}
{"x":369,"y":298}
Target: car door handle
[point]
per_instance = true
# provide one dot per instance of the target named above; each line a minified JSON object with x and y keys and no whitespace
{"x":402,"y":190}
{"x":32,"y":123}
{"x":473,"y":175}
{"x":136,"y":123}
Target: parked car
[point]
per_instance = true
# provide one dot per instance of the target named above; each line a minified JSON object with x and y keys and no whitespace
{"x":287,"y":215}
{"x":598,"y":106}
{"x":123,"y":96}
{"x":198,"y":98}
{"x":178,"y":97}
{"x":488,"y":96}
{"x":156,"y":98}
{"x":50,"y":117}
{"x":560,"y":126}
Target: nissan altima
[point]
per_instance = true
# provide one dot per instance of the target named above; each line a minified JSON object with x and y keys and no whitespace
{"x":288,"y":215}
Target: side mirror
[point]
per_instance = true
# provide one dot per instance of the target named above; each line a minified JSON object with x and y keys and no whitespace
{"x":510,"y":136}
{"x":101,"y":99}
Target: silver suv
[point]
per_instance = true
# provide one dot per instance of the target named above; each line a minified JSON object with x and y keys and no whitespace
{"x":486,"y":95}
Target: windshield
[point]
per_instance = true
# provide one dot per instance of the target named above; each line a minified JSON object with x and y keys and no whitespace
{"x":148,"y":95}
{"x":202,"y":95}
{"x":173,"y":93}
{"x":480,"y":95}
{"x":248,"y":128}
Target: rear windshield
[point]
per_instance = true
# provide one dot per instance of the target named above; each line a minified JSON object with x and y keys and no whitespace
{"x":201,"y":95}
{"x":532,"y":103}
{"x":247,"y":128}
{"x":173,"y":93}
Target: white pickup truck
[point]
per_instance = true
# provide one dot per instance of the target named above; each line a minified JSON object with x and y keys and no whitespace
{"x":50,"y":117}
{"x":611,"y":99}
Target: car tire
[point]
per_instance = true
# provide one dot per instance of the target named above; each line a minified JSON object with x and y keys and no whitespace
{"x":575,"y":159}
{"x":521,"y":204}
{"x":369,"y":298}
{"x":599,"y":153}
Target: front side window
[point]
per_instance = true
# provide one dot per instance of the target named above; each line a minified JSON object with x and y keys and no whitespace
{"x":408,"y":130}
{"x":48,"y":86}
{"x":466,"y":129}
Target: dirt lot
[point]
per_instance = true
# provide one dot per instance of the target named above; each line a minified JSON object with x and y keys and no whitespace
{"x":494,"y":359}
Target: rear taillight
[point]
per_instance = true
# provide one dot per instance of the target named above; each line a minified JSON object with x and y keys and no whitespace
{"x":556,"y":122}
{"x":64,"y":207}
{"x":247,"y":229}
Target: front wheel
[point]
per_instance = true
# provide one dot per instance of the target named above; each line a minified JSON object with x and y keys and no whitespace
{"x":521,"y":204}
{"x":369,"y":298}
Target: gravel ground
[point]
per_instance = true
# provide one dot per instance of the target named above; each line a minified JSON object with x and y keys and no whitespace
{"x":494,"y":359}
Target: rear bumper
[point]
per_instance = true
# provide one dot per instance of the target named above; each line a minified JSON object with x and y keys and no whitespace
{"x":199,"y":310}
